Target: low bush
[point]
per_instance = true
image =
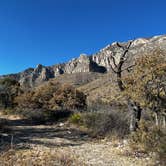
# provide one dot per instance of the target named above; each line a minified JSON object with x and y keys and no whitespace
{"x":49,"y":102}
{"x":150,"y":138}
{"x":9,"y":89}
{"x":101,"y":124}
{"x":43,"y":116}
{"x":76,"y":118}
{"x":52,"y":96}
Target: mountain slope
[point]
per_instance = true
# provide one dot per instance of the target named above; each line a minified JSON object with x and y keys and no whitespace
{"x":100,"y":62}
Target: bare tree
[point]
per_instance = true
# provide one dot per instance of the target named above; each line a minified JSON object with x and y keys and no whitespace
{"x":118,"y":68}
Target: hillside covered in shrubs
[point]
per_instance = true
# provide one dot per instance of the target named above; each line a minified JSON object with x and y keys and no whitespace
{"x":128,"y":102}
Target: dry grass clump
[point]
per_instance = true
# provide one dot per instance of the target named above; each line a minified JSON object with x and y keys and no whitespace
{"x":38,"y":158}
{"x":149,"y":138}
{"x":105,"y":123}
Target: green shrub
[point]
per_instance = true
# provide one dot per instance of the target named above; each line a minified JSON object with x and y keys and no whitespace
{"x":76,"y":118}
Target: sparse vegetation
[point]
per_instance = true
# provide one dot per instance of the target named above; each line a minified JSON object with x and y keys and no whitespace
{"x":76,"y":118}
{"x":150,"y":138}
{"x":38,"y":158}
{"x":105,"y":115}
{"x":50,"y":101}
{"x":147,"y":84}
{"x":105,"y":123}
{"x":52,"y":96}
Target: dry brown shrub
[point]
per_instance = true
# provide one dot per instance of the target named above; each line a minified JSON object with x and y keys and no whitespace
{"x":52,"y":96}
{"x":150,"y":138}
{"x":111,"y":123}
{"x":38,"y":158}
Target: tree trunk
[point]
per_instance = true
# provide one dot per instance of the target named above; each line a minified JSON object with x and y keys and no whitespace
{"x":134,"y":108}
{"x":156,"y":119}
{"x":135,"y":112}
{"x":164,"y":123}
{"x":119,"y":81}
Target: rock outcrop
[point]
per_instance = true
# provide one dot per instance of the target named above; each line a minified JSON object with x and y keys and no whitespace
{"x":100,"y":62}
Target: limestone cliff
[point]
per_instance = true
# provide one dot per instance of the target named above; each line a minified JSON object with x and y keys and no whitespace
{"x":99,"y":62}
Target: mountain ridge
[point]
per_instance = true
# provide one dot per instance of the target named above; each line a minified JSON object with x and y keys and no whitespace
{"x":100,"y":62}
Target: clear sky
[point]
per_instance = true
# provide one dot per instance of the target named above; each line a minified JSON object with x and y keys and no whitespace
{"x":53,"y":31}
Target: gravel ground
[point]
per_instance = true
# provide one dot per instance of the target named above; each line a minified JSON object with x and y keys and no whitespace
{"x":77,"y":143}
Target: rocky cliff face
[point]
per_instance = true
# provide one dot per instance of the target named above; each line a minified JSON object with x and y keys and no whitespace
{"x":100,"y":62}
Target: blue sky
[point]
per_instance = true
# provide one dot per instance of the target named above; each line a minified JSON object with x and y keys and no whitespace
{"x":53,"y":31}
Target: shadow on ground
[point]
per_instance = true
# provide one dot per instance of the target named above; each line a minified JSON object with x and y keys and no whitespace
{"x":25,"y":134}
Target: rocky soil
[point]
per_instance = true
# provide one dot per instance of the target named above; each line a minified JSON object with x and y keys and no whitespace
{"x":27,"y":137}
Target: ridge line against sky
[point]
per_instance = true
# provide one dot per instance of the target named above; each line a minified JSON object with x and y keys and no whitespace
{"x":54,"y":31}
{"x":80,"y":54}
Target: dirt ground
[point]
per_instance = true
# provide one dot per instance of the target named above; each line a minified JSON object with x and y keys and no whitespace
{"x":25,"y":135}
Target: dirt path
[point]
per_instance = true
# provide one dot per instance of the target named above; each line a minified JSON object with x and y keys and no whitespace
{"x":26,"y":135}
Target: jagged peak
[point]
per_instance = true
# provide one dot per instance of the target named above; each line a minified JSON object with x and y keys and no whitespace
{"x":98,"y":62}
{"x":83,"y":55}
{"x":139,"y":41}
{"x":39,"y":66}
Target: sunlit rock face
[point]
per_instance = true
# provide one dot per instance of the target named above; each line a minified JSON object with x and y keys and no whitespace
{"x":80,"y":64}
{"x":138,"y":47}
{"x":98,"y":62}
{"x":35,"y":76}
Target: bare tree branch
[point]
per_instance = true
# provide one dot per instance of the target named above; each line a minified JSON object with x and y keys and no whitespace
{"x":118,"y":67}
{"x":113,"y":69}
{"x":128,"y":68}
{"x":117,"y":43}
{"x":113,"y":59}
